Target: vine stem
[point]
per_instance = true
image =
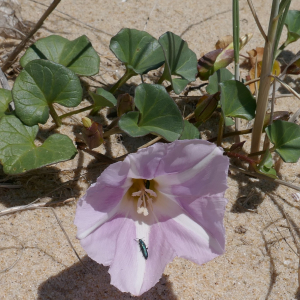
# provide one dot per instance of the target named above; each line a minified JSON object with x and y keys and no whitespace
{"x":225,"y":135}
{"x":242,"y":157}
{"x":265,"y":80}
{"x":75,"y":112}
{"x":161,"y":79}
{"x":256,"y":19}
{"x":54,"y":115}
{"x":128,"y":74}
{"x":114,"y":130}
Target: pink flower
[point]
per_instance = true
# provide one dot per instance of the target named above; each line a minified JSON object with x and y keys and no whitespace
{"x":171,"y":196}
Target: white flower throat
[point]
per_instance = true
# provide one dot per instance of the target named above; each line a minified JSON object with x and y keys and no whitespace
{"x":145,"y":199}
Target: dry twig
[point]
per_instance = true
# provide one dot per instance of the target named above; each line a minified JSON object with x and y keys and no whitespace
{"x":261,"y":176}
{"x":9,"y":61}
{"x":256,"y":19}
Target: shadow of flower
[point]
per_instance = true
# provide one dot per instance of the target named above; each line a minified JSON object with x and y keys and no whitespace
{"x":93,"y":282}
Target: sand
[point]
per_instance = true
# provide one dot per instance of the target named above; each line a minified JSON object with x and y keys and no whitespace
{"x":259,"y":262}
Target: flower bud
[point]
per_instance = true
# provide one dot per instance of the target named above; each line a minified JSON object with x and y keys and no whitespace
{"x":205,"y":107}
{"x":125,"y":104}
{"x":92,"y":133}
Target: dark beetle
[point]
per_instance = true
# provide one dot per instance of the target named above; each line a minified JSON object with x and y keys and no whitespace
{"x":143,"y":248}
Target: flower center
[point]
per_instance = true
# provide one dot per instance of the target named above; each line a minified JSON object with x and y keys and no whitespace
{"x":144,"y":194}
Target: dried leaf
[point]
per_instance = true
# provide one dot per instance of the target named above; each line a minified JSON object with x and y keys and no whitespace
{"x":275,"y":71}
{"x":224,"y":42}
{"x":255,"y":54}
{"x":11,"y":24}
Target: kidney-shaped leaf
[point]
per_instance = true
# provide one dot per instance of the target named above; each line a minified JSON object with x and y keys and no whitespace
{"x":40,"y":84}
{"x":189,"y":132}
{"x":18,"y":153}
{"x":5,"y":99}
{"x":138,"y":50}
{"x":292,"y":23}
{"x":180,"y":61}
{"x":286,"y":138}
{"x":236,"y":100}
{"x":158,"y":114}
{"x":214,"y":80}
{"x":102,"y":99}
{"x":78,"y":55}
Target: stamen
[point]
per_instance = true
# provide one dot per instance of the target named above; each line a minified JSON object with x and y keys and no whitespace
{"x":144,"y":199}
{"x":151,"y":193}
{"x":137,"y":193}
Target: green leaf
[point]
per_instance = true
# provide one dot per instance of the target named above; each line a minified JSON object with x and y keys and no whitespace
{"x":5,"y":99}
{"x":266,"y":165}
{"x":40,"y":84}
{"x":292,"y":23}
{"x":158,"y":114}
{"x":78,"y":55}
{"x":180,"y":61}
{"x":286,"y":138}
{"x":138,"y":50}
{"x":236,"y":100}
{"x":19,"y":154}
{"x":189,"y":132}
{"x":218,"y":77}
{"x":229,"y":121}
{"x":102,"y":99}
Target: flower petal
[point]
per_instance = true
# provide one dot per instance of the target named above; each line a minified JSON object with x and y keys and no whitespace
{"x":200,"y":173}
{"x":100,"y":202}
{"x":144,"y":163}
{"x":130,"y":271}
{"x":188,"y":237}
{"x":160,"y":254}
{"x":185,"y":219}
{"x":101,"y":244}
{"x":184,"y":154}
{"x":209,"y":212}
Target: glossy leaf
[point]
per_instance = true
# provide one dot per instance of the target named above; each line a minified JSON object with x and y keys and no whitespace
{"x":158,"y":114}
{"x":218,"y":77}
{"x":229,"y":121}
{"x":40,"y":84}
{"x":286,"y":139}
{"x":236,"y":100}
{"x":189,"y":132}
{"x":180,"y":61}
{"x":266,"y":165}
{"x":78,"y":55}
{"x":292,"y":23}
{"x":5,"y":99}
{"x":138,"y":50}
{"x":102,"y":99}
{"x":19,"y":154}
